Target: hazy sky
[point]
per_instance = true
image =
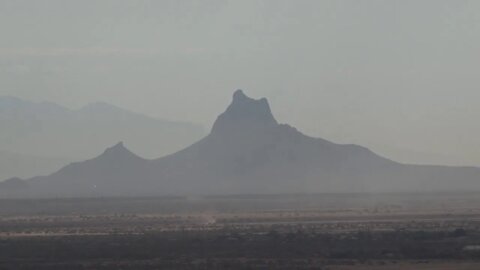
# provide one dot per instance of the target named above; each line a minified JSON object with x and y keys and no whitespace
{"x":401,"y":77}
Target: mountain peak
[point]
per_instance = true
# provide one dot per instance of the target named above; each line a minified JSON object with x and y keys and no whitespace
{"x":119,"y":145}
{"x":244,"y":112}
{"x":117,"y":148}
{"x":118,"y":151}
{"x":238,"y":94}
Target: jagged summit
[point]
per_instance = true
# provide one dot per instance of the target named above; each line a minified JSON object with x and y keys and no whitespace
{"x":245,"y":112}
{"x":239,"y":94}
{"x":247,"y":152}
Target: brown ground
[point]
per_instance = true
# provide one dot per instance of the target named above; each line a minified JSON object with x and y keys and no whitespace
{"x":351,"y":232}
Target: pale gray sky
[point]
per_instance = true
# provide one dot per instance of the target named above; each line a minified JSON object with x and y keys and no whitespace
{"x":400,"y":77}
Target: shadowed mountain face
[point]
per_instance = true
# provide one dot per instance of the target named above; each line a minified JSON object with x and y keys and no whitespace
{"x":40,"y":138}
{"x":115,"y":172}
{"x":247,"y":151}
{"x":244,"y":113}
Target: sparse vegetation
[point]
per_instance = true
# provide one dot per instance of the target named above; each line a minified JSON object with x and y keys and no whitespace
{"x":218,"y":233}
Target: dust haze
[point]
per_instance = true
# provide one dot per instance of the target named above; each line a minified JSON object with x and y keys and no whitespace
{"x":386,"y":75}
{"x":239,"y":134}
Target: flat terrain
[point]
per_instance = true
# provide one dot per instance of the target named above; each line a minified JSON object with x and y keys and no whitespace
{"x":323,"y":231}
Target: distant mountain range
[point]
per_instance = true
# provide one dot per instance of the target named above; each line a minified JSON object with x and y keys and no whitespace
{"x":40,"y":138}
{"x":247,"y":151}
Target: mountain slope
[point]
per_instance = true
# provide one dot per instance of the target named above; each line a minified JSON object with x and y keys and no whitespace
{"x":25,"y":166}
{"x":112,"y":173}
{"x":49,"y":130}
{"x":247,"y":151}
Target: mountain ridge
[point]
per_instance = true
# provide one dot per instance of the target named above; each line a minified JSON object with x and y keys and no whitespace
{"x":31,"y":128}
{"x":248,"y":152}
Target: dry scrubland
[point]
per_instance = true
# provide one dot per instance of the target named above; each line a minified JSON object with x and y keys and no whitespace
{"x":324,"y":231}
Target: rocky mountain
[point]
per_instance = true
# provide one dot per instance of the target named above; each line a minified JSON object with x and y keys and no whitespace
{"x":40,"y":138}
{"x":248,"y":151}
